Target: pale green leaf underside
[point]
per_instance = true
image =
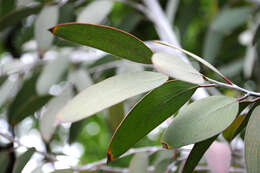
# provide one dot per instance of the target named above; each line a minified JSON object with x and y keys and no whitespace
{"x":201,"y":120}
{"x":108,"y":93}
{"x":175,"y":67}
{"x":252,"y":142}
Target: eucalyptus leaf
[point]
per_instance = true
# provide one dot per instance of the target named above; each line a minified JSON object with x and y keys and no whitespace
{"x":46,"y":19}
{"x":230,"y":18}
{"x":16,"y":16}
{"x":201,"y":120}
{"x":95,"y":12}
{"x":252,"y":144}
{"x":22,"y":160}
{"x":80,"y":78}
{"x":48,"y":118}
{"x":26,"y":102}
{"x":108,"y":39}
{"x":148,"y":113}
{"x":175,"y":67}
{"x":4,"y":161}
{"x":108,"y":93}
{"x":196,"y":154}
{"x":51,"y":74}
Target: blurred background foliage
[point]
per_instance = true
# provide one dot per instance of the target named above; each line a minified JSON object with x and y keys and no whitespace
{"x":36,"y":68}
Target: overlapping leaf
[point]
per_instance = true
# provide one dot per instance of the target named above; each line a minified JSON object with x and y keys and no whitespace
{"x":108,"y":39}
{"x":108,"y":93}
{"x":201,"y":120}
{"x":151,"y":111}
{"x":252,"y":144}
{"x":22,"y":160}
{"x":175,"y":67}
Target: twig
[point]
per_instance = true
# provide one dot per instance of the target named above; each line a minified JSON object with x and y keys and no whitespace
{"x":11,"y":139}
{"x":234,"y":86}
{"x":96,"y":165}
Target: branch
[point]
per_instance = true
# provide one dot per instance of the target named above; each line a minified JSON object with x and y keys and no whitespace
{"x":13,"y":140}
{"x":99,"y":164}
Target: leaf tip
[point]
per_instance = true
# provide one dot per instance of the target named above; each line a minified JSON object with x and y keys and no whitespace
{"x":110,"y":157}
{"x":53,"y":29}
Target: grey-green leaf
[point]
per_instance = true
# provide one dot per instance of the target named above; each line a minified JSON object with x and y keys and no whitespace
{"x":201,"y":120}
{"x":46,"y":19}
{"x":108,"y":93}
{"x":139,"y":163}
{"x":252,"y":144}
{"x":175,"y":67}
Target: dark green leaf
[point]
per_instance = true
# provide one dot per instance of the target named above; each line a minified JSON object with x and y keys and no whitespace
{"x":75,"y":130}
{"x":105,"y":38}
{"x":4,"y":161}
{"x":151,"y":111}
{"x":201,"y":120}
{"x":26,"y":101}
{"x":6,"y":6}
{"x":16,"y":16}
{"x":3,"y":79}
{"x":197,"y":153}
{"x":22,"y":160}
{"x":252,"y":144}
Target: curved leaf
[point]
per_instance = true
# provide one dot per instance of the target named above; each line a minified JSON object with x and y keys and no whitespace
{"x":16,"y":16}
{"x":201,"y":120}
{"x":108,"y":39}
{"x":108,"y":93}
{"x":139,"y":163}
{"x":96,"y":11}
{"x":252,"y":144}
{"x":151,"y":111}
{"x":196,"y":154}
{"x":175,"y":67}
{"x":46,"y":19}
{"x":22,"y":160}
{"x":26,"y":102}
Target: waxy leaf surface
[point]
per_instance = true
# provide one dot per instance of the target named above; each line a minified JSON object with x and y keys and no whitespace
{"x":175,"y":67}
{"x":151,"y":111}
{"x":108,"y":39}
{"x":252,"y":142}
{"x":201,"y":120}
{"x":108,"y":93}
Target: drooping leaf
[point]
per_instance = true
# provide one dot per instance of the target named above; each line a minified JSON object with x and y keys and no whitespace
{"x":229,"y":133}
{"x":196,"y":154}
{"x":244,"y":123}
{"x":175,"y":67}
{"x":139,"y":163}
{"x":252,"y":145}
{"x":47,"y":18}
{"x":151,"y":111}
{"x":201,"y":60}
{"x":229,"y":19}
{"x":51,"y":74}
{"x":108,"y":39}
{"x":48,"y":118}
{"x":16,"y":16}
{"x":108,"y":93}
{"x":22,"y":160}
{"x":26,"y":101}
{"x":201,"y":120}
{"x":95,"y":12}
